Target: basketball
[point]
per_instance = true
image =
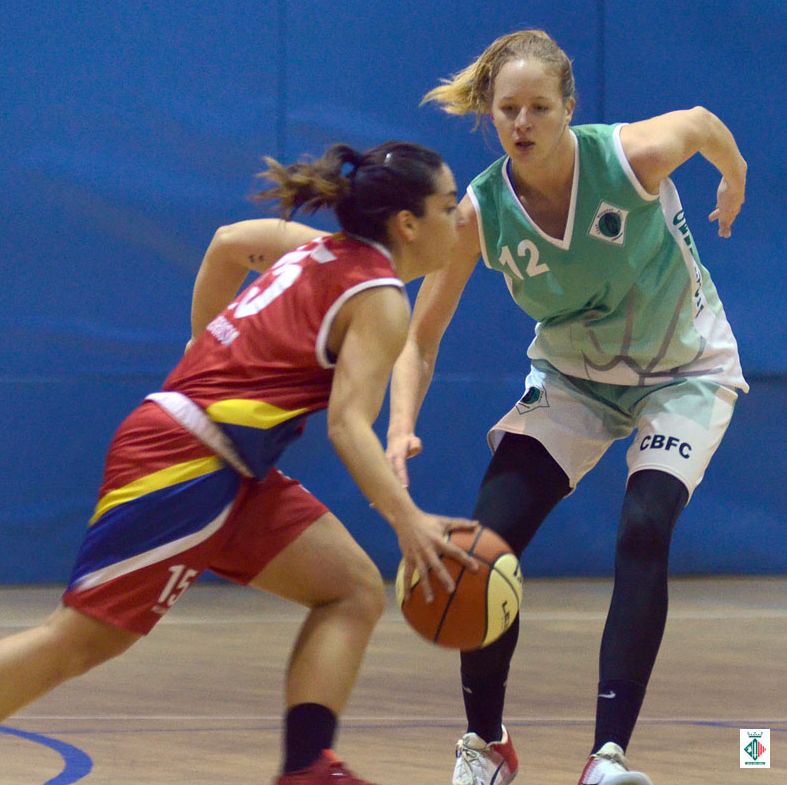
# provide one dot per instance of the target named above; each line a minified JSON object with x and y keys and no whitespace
{"x":483,"y":605}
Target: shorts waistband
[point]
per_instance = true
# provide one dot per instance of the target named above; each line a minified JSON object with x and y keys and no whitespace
{"x":191,"y":417}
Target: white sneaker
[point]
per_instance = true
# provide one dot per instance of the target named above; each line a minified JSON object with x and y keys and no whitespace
{"x":479,"y":763}
{"x":608,"y":767}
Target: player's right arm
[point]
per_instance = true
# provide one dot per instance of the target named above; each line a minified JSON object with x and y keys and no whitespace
{"x":234,"y":250}
{"x":435,"y":305}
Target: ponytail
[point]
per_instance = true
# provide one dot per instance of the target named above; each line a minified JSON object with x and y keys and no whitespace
{"x":363,"y":189}
{"x":470,"y":91}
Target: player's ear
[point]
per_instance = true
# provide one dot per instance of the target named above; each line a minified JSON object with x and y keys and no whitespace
{"x":403,"y":225}
{"x":570,"y":105}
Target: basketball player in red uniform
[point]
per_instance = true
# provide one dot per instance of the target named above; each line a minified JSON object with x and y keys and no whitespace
{"x":190,"y":482}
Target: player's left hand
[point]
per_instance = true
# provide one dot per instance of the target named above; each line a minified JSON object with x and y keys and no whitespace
{"x":729,"y":201}
{"x":424,"y":541}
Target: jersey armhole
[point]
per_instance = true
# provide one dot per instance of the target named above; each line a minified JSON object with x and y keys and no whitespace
{"x":479,"y":223}
{"x":321,"y":347}
{"x":626,"y":166}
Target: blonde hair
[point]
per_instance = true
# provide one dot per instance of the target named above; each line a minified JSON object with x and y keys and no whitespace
{"x":470,"y":90}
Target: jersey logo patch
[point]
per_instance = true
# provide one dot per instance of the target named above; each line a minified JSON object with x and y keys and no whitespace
{"x":534,"y":398}
{"x":609,"y":224}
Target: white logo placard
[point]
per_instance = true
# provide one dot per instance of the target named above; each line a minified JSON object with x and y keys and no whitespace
{"x":755,"y":748}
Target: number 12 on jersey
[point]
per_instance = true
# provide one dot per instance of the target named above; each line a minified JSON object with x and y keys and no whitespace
{"x":527,"y":251}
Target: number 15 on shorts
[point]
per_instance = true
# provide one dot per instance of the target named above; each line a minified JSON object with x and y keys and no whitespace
{"x":180,"y":579}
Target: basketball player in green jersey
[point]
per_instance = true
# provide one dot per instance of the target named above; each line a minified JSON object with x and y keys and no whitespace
{"x":589,"y":234}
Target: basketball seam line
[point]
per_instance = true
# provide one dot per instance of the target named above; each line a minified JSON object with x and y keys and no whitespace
{"x":459,"y":577}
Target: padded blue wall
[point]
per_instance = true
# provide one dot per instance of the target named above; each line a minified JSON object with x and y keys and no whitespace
{"x":132,"y":130}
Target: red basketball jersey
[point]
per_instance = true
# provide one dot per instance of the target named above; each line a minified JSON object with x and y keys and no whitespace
{"x":263,"y":364}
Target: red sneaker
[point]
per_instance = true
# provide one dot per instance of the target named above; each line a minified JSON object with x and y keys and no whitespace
{"x":326,"y":770}
{"x":608,"y":766}
{"x":479,"y":763}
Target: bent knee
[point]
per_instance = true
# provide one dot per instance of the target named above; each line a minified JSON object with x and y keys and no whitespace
{"x":364,"y":590}
{"x":359,"y":589}
{"x":644,"y":536}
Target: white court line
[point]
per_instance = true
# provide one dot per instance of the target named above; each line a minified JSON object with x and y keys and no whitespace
{"x":710,"y":615}
{"x":415,"y":719}
{"x":589,"y":616}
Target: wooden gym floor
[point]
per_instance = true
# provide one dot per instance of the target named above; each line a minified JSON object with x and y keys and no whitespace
{"x":198,"y":702}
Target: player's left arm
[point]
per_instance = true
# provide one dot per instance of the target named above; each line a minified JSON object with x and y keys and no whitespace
{"x":234,"y":250}
{"x":658,"y":146}
{"x":370,"y":331}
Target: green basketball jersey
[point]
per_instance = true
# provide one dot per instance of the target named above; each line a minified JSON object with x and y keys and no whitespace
{"x":622,"y":297}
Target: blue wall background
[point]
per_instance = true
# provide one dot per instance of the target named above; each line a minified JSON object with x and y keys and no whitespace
{"x":132,"y":130}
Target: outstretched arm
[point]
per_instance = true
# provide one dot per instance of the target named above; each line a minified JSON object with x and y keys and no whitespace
{"x":434,"y":306}
{"x":656,"y":147}
{"x":234,"y":250}
{"x":371,"y":328}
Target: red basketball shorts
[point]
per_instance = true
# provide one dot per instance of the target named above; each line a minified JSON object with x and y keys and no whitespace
{"x":168,"y":510}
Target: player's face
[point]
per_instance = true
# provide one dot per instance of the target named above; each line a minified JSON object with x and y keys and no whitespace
{"x":528,"y":111}
{"x":438,"y":226}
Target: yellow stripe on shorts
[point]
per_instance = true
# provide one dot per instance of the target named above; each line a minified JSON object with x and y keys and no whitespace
{"x":253,"y":414}
{"x":164,"y":478}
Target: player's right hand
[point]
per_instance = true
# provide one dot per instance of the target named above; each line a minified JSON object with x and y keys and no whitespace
{"x":402,"y":447}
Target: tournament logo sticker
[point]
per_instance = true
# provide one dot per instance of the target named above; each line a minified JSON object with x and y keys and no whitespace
{"x":609,"y":224}
{"x":534,"y":398}
{"x":755,"y":748}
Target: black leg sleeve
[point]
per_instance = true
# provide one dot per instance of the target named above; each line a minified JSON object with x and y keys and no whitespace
{"x":638,"y":609}
{"x":522,"y":484}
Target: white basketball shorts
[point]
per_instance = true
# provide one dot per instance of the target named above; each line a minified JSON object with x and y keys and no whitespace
{"x":678,"y":424}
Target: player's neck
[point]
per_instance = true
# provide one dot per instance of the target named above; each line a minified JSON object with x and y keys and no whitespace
{"x":550,"y":179}
{"x":406,"y":266}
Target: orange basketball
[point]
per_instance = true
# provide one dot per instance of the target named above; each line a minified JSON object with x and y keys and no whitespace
{"x":483,"y":605}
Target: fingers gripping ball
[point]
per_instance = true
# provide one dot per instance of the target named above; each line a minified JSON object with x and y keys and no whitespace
{"x":483,"y":605}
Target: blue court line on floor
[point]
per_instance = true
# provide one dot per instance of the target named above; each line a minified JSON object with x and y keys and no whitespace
{"x":78,"y":764}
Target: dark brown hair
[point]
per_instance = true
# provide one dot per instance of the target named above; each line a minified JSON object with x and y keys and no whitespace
{"x":363,"y":189}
